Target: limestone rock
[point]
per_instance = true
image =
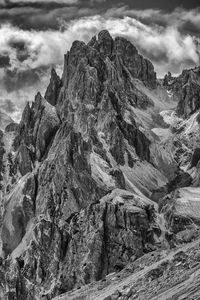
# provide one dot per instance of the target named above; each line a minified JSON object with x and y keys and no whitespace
{"x":186,"y":90}
{"x":88,"y":245}
{"x":20,"y":209}
{"x":38,"y":126}
{"x":23,"y":159}
{"x":85,"y":169}
{"x":181,"y":208}
{"x":2,"y":151}
{"x":53,"y":89}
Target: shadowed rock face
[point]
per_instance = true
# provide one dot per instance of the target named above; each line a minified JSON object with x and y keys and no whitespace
{"x":2,"y":151}
{"x":99,"y":240}
{"x":53,"y":89}
{"x":98,"y":90}
{"x":19,"y":210}
{"x":38,"y":125}
{"x":195,"y":157}
{"x":186,"y":90}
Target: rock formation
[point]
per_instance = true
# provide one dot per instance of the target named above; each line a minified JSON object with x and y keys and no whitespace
{"x":81,"y":170}
{"x":186,"y":89}
{"x":53,"y":89}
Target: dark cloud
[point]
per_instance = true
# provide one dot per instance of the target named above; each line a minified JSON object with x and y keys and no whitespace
{"x":9,"y":4}
{"x":7,"y":105}
{"x":14,"y":80}
{"x":21,"y":47}
{"x":35,"y":35}
{"x":169,"y":5}
{"x":44,"y":15}
{"x":136,"y":4}
{"x":4,"y":61}
{"x":28,"y":18}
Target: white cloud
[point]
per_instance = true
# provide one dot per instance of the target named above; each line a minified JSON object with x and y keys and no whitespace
{"x":162,"y":44}
{"x":167,"y":46}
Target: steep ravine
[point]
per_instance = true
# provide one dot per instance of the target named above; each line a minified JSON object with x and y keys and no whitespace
{"x":95,"y":181}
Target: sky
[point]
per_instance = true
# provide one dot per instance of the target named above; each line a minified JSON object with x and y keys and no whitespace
{"x":35,"y":35}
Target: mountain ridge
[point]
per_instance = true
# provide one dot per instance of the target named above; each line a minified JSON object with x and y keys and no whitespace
{"x":94,"y":177}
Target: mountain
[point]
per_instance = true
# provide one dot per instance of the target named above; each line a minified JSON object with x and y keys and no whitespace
{"x":100,"y":182}
{"x":186,"y":88}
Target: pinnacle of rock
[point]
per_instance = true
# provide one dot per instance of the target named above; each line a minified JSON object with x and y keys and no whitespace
{"x":100,"y":176}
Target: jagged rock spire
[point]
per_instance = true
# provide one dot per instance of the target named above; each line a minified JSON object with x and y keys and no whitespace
{"x":53,"y":88}
{"x":78,"y":158}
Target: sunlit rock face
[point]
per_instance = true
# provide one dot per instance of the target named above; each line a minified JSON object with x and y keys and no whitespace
{"x":80,"y":170}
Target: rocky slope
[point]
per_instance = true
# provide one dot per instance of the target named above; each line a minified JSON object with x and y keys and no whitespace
{"x":94,"y":178}
{"x":186,"y":88}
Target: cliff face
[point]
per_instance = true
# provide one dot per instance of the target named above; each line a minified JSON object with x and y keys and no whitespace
{"x":68,"y":219}
{"x":186,"y":90}
{"x":80,"y":171}
{"x":53,"y":88}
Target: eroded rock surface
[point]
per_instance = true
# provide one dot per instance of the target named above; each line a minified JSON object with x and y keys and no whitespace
{"x":38,"y":126}
{"x":80,"y":172}
{"x":89,"y":245}
{"x":53,"y":89}
{"x":186,"y":89}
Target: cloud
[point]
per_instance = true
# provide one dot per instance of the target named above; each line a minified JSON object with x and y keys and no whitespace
{"x":179,"y":18}
{"x":166,"y":44}
{"x":4,"y":61}
{"x":14,"y":80}
{"x":8,"y":3}
{"x":7,"y":106}
{"x":46,"y":18}
{"x":27,"y":55}
{"x":18,"y":87}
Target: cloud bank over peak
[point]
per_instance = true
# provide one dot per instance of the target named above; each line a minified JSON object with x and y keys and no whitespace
{"x":168,"y":47}
{"x":170,"y":41}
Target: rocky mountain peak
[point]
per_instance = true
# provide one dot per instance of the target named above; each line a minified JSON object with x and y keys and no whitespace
{"x":87,"y":175}
{"x":185,"y":90}
{"x":103,"y":49}
{"x":105,"y":43}
{"x":53,"y":88}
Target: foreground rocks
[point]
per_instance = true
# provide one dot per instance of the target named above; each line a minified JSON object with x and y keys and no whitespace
{"x":162,"y":275}
{"x":86,"y":247}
